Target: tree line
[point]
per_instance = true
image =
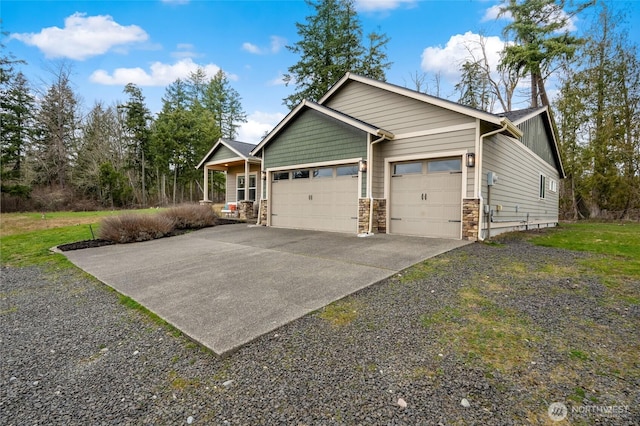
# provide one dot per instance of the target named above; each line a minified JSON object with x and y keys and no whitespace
{"x":597,"y":107}
{"x":56,"y":156}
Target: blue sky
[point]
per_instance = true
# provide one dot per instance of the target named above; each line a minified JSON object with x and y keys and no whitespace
{"x":153,"y":42}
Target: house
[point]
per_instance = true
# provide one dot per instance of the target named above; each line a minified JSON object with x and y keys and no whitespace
{"x":373,"y":157}
{"x":234,"y":159}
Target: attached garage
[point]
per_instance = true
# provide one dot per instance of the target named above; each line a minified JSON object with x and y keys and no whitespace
{"x":322,"y":198}
{"x":426,"y":197}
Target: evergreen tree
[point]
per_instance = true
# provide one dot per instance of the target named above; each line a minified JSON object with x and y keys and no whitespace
{"x":16,"y":117}
{"x":474,"y":87}
{"x":225,"y":103}
{"x":331,"y":45}
{"x":58,"y":121}
{"x":540,"y":40}
{"x":138,"y":134}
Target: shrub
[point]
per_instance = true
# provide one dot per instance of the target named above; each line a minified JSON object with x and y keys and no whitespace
{"x":191,"y":216}
{"x":129,"y":228}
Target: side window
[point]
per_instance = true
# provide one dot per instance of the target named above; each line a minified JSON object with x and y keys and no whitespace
{"x":323,"y":172}
{"x":543,"y":186}
{"x":301,"y":174}
{"x":349,"y":170}
{"x":407,"y":168}
{"x":241,"y":188}
{"x":440,"y":166}
{"x":280,"y":176}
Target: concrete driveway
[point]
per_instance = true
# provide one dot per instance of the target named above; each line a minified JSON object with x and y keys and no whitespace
{"x":227,"y":285}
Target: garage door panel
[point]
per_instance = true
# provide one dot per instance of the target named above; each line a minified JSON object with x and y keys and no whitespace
{"x":426,"y":204}
{"x":326,"y":203}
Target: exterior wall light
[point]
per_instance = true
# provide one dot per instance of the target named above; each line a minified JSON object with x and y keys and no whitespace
{"x":263,"y":175}
{"x":471,"y":159}
{"x":362,"y":166}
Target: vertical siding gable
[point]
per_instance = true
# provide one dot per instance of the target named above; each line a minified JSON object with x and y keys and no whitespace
{"x":313,"y":137}
{"x":391,"y":111}
{"x":535,"y":138}
{"x":221,"y":154}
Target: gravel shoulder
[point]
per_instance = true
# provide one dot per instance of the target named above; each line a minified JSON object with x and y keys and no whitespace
{"x":509,"y":329}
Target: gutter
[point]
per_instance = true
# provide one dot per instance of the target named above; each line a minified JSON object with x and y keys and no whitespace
{"x":384,"y":135}
{"x":506,"y":125}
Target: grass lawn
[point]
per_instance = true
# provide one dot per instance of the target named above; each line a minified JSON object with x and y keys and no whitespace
{"x":25,"y":238}
{"x":616,"y":249}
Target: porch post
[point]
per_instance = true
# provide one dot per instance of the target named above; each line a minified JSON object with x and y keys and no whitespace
{"x":246,"y":180}
{"x":206,"y":184}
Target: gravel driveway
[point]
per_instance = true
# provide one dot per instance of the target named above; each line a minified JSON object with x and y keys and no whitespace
{"x":417,"y":348}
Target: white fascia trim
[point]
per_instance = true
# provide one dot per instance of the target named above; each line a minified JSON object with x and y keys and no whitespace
{"x":318,"y":164}
{"x":411,"y":94}
{"x":215,"y":145}
{"x":226,"y":160}
{"x":276,"y":129}
{"x":437,"y":131}
{"x":325,"y":111}
{"x":530,"y":115}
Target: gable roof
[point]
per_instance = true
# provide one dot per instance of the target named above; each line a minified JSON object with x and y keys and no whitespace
{"x":326,"y":111}
{"x":520,"y":116}
{"x":243,"y":149}
{"x":423,"y":97}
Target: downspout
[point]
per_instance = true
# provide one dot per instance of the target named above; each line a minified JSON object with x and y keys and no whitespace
{"x":383,"y":136}
{"x":505,"y":126}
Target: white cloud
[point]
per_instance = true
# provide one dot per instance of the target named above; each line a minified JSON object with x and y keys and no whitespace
{"x":257,"y":125}
{"x":374,"y":5}
{"x":251,"y":48}
{"x":460,"y":47}
{"x":160,"y":74}
{"x":278,"y":81}
{"x":83,"y":36}
{"x":494,"y":12}
{"x":185,"y":50}
{"x":276,"y":43}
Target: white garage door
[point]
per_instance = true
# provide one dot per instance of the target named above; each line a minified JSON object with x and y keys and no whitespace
{"x":324,"y":199}
{"x":426,"y":198}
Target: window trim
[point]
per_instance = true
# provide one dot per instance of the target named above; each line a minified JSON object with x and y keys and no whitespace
{"x":542,"y":186}
{"x":247,"y":187}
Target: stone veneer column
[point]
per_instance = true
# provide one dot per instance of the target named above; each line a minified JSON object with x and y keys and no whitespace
{"x":380,"y":214}
{"x":363,"y":215}
{"x":245,"y":210}
{"x":470,"y":218}
{"x":263,"y":212}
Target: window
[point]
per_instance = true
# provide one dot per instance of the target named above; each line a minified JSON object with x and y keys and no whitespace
{"x":553,"y":185}
{"x":349,"y":170}
{"x":280,"y":176}
{"x":324,"y":172}
{"x":241,"y":189}
{"x":543,"y":186}
{"x":407,"y":168}
{"x":301,"y":174}
{"x":439,"y":166}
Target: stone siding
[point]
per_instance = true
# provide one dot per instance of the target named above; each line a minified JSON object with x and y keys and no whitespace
{"x":470,"y":219}
{"x":379,"y":215}
{"x":245,"y":209}
{"x":263,"y":212}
